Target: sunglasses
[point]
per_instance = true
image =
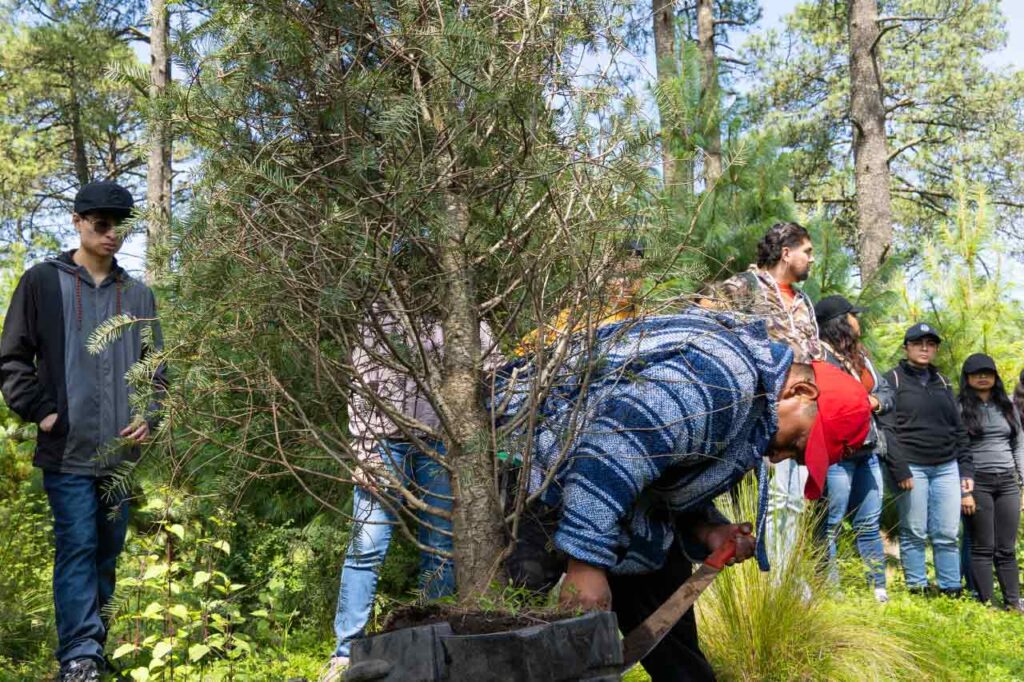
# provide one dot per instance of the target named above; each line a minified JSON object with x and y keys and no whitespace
{"x":102,"y":225}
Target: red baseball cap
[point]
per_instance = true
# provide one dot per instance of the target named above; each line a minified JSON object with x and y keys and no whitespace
{"x":844,"y":417}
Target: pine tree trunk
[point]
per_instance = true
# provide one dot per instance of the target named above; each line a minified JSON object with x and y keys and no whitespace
{"x":476,"y":517}
{"x":665,"y":59}
{"x":79,"y":152}
{"x":158,"y":188}
{"x":871,"y":157}
{"x":709,"y":92}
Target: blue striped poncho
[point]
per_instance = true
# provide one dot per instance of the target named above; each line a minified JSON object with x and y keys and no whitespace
{"x":676,"y":409}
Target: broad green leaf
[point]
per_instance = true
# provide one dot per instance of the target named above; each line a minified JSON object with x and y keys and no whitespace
{"x":179,"y":611}
{"x":197,"y":651}
{"x":162,"y":648}
{"x":153,"y":610}
{"x":155,"y":571}
{"x":123,"y":650}
{"x":140,"y":674}
{"x":200,"y":578}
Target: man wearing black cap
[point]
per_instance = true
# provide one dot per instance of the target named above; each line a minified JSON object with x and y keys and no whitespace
{"x":930,"y":460}
{"x":88,"y":425}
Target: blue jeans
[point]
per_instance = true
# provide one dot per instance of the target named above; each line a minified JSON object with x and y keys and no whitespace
{"x":855,"y":487}
{"x":371,"y":534}
{"x":89,"y":526}
{"x":931,"y":510}
{"x":785,"y":505}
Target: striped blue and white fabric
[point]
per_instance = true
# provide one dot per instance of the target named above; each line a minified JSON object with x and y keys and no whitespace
{"x":658,"y":417}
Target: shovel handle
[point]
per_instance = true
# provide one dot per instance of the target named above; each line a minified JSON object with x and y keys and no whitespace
{"x":721,"y":556}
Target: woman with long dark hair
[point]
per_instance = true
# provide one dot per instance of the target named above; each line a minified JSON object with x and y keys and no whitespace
{"x":854,"y":485}
{"x":993,"y":510}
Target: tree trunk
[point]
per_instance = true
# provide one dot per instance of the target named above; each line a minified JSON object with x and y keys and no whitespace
{"x":158,"y":187}
{"x":674,"y":170}
{"x":709,"y":92}
{"x":870,"y":154}
{"x":476,"y":517}
{"x":79,"y":152}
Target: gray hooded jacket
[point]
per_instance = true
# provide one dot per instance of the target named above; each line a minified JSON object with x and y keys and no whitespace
{"x":45,"y":367}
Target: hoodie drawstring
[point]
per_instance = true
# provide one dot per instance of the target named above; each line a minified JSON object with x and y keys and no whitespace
{"x":761,"y":550}
{"x":78,"y":299}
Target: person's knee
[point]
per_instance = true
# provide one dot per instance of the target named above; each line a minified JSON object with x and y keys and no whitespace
{"x":913,"y":531}
{"x":945,"y":536}
{"x":366,"y":548}
{"x":76,"y":540}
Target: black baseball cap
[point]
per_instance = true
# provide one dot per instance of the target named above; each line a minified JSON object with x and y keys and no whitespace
{"x":919,"y":331}
{"x":834,"y":306}
{"x":979,"y":362}
{"x":105,"y":197}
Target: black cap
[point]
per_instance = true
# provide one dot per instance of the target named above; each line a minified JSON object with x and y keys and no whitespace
{"x":978,"y":362}
{"x":834,"y":306}
{"x":919,"y":331}
{"x":106,"y":197}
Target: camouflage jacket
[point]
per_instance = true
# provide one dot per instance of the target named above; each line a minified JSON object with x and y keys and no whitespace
{"x":756,"y":293}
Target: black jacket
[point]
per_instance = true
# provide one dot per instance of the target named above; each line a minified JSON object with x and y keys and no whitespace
{"x":924,"y":425}
{"x":45,"y":367}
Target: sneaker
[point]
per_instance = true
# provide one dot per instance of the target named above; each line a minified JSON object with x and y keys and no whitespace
{"x":80,"y":670}
{"x":334,"y":669}
{"x":881,"y":596}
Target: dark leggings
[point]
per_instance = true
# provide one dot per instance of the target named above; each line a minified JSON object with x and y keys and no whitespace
{"x":634,"y":597}
{"x":993,"y":529}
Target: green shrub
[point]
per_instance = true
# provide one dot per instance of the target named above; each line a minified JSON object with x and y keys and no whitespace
{"x":26,"y":607}
{"x":785,"y":625}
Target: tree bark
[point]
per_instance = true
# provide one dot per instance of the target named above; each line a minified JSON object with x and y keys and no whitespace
{"x":674,"y":170}
{"x":870,"y":153}
{"x":709,"y":92}
{"x":158,"y":186}
{"x":479,"y":540}
{"x":79,"y":151}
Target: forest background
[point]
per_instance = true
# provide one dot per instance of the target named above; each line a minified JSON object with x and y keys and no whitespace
{"x":260,"y":132}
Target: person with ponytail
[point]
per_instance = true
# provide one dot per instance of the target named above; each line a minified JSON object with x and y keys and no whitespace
{"x":992,"y":511}
{"x":769,"y":291}
{"x":854,"y":485}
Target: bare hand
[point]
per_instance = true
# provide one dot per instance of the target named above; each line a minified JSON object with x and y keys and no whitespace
{"x":968,"y":505}
{"x":48,"y":422}
{"x":873,"y":401}
{"x":137,"y":432}
{"x":585,"y":587}
{"x":718,"y":534}
{"x":966,"y":485}
{"x":907,"y":484}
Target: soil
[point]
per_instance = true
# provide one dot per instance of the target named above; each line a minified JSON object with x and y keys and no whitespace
{"x":466,"y":622}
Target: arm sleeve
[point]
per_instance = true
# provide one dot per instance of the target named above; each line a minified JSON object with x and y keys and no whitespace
{"x":894,"y":454}
{"x":1018,"y":451}
{"x":885,"y":393}
{"x":19,"y":377}
{"x":364,"y":425}
{"x":964,"y":456}
{"x":626,"y":444}
{"x":692,"y":548}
